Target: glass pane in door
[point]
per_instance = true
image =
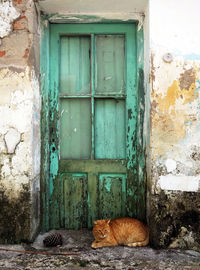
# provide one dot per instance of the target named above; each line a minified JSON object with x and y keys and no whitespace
{"x":110,"y":64}
{"x":110,"y":129}
{"x":75,"y":65}
{"x":75,"y":129}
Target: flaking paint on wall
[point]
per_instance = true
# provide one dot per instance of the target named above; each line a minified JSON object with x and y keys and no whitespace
{"x":16,"y":166}
{"x":19,"y":125}
{"x":175,"y":114}
{"x":173,"y":108}
{"x":8,"y":14}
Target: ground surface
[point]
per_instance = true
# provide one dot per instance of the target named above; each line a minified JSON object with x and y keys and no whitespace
{"x":78,"y":242}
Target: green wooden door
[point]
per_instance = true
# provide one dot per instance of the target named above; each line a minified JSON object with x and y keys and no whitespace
{"x":93,"y":112}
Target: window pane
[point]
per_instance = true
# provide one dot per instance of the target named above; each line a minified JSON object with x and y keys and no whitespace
{"x":75,"y":129}
{"x":110,"y":129}
{"x":110,"y":64}
{"x":75,"y":65}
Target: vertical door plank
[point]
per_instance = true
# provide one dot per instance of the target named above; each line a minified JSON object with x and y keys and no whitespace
{"x":56,"y":204}
{"x":75,"y":194}
{"x":93,"y":206}
{"x":112,"y":195}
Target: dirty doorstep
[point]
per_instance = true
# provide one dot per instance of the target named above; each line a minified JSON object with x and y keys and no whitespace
{"x":76,"y":253}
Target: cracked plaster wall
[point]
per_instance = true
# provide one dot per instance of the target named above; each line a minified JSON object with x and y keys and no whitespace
{"x":20,"y":118}
{"x":174,"y":183}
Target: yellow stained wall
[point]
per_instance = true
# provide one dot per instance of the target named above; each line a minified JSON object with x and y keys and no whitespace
{"x":174,"y":110}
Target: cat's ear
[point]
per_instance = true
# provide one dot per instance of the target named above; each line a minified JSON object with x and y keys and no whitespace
{"x":95,"y":222}
{"x":108,"y":220}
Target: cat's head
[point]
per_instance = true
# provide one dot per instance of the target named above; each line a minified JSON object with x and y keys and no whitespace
{"x":101,"y":229}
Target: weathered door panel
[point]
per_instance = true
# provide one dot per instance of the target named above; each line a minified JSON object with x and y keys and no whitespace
{"x":93,"y":119}
{"x":75,"y":192}
{"x":112,"y":195}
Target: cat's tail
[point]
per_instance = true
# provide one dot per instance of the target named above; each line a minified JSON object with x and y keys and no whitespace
{"x":143,"y":243}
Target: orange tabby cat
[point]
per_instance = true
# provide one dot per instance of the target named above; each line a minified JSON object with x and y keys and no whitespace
{"x":120,"y":231}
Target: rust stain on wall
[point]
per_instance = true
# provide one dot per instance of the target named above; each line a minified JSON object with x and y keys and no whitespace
{"x":184,"y":88}
{"x":187,"y":78}
{"x":167,"y":130}
{"x":190,"y":94}
{"x":172,"y":96}
{"x":152,"y":73}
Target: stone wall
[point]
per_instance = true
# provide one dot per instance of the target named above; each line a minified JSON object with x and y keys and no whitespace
{"x":20,"y":118}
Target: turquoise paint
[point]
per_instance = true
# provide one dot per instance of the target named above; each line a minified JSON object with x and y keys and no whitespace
{"x":93,"y":51}
{"x":53,"y":171}
{"x":192,"y":56}
{"x":198,"y":87}
{"x":139,"y":173}
{"x":112,"y":188}
{"x":80,"y":19}
{"x":130,"y":192}
{"x":188,"y":123}
{"x":131,"y":106}
{"x":75,"y":75}
{"x":110,"y":142}
{"x":189,"y":56}
{"x":75,"y":128}
{"x":44,"y":86}
{"x":110,"y":64}
{"x":108,"y":184}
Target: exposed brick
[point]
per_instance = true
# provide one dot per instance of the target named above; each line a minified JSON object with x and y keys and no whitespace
{"x":18,"y":25}
{"x":26,"y":53}
{"x":21,"y":23}
{"x":18,"y":1}
{"x":2,"y":53}
{"x":23,"y":16}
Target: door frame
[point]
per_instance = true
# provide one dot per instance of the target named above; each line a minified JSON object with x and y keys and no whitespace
{"x":137,"y":166}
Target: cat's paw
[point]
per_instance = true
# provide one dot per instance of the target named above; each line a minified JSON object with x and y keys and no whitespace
{"x":94,"y":245}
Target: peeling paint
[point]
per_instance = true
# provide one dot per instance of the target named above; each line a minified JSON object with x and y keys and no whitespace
{"x":12,"y":138}
{"x":174,"y":130}
{"x":183,"y":89}
{"x":19,"y":125}
{"x":170,"y":165}
{"x":170,"y":117}
{"x":7,"y":15}
{"x":187,"y":78}
{"x":97,"y":18}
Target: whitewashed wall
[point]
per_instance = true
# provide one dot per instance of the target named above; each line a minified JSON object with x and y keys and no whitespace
{"x":20,"y":121}
{"x":175,"y":86}
{"x":174,"y":156}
